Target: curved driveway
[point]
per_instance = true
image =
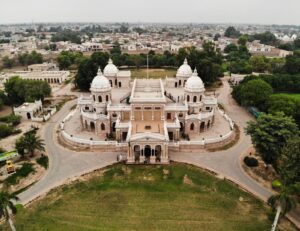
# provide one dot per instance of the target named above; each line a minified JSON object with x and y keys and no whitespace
{"x":66,"y":164}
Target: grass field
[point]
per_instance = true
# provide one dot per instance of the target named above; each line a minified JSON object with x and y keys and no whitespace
{"x":153,"y":73}
{"x":174,"y":197}
{"x":296,"y":96}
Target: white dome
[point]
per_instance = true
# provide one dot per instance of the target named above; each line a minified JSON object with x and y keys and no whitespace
{"x":184,"y":70}
{"x":194,"y":83}
{"x":110,"y":69}
{"x":100,"y":83}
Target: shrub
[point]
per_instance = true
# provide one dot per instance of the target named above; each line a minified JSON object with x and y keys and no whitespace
{"x":5,"y":130}
{"x":12,"y":119}
{"x":276,"y":184}
{"x":251,"y":161}
{"x":43,"y":161}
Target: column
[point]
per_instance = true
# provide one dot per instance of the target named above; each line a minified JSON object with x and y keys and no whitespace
{"x":142,"y":156}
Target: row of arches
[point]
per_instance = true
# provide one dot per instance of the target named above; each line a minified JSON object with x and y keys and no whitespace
{"x":117,"y":84}
{"x":92,"y":126}
{"x":202,"y":127}
{"x":179,"y":83}
{"x":188,"y":98}
{"x":100,"y":99}
{"x":147,"y":152}
{"x":48,"y":80}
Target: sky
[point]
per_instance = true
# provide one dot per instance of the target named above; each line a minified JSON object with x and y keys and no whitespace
{"x":172,"y":11}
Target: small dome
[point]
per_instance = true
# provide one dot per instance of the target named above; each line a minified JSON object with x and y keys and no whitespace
{"x":184,"y":70}
{"x":100,"y":83}
{"x":110,"y":69}
{"x":194,"y":83}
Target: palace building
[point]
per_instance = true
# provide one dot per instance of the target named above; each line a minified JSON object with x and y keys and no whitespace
{"x":146,"y":114}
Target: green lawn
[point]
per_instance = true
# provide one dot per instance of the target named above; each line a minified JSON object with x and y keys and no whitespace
{"x":153,"y":73}
{"x":174,"y":197}
{"x":293,"y":95}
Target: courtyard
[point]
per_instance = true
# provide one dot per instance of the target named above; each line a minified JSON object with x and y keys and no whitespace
{"x":173,"y":197}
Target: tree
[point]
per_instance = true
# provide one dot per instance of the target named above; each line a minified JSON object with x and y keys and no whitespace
{"x":289,"y":161}
{"x":30,"y":58}
{"x":231,"y":32}
{"x":255,"y":93}
{"x":284,"y":103}
{"x":7,"y":62}
{"x":21,"y":90}
{"x":6,"y":205}
{"x":100,"y":58}
{"x":270,"y":134}
{"x":87,"y":70}
{"x":259,"y":63}
{"x":230,"y":48}
{"x":292,"y":64}
{"x":20,"y":146}
{"x":31,"y":143}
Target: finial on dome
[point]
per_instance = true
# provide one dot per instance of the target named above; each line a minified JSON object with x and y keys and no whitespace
{"x":110,"y":61}
{"x":99,"y":71}
{"x":185,"y":61}
{"x":195,"y":73}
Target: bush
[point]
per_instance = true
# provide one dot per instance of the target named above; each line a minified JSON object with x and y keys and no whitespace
{"x":43,"y":161}
{"x":251,"y":161}
{"x":5,"y":130}
{"x":12,"y":119}
{"x":276,"y":184}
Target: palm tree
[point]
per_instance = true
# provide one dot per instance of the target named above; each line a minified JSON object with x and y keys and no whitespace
{"x":7,"y":207}
{"x":284,"y":201}
{"x":32,"y":142}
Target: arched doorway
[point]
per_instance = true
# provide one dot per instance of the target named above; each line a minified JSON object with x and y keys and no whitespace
{"x":99,"y":98}
{"x":192,"y":127}
{"x":195,"y":99}
{"x":110,"y":83}
{"x":116,"y":82}
{"x":202,"y":126}
{"x":92,"y":125}
{"x":28,"y":115}
{"x":208,"y":124}
{"x":147,"y":153}
{"x":113,"y":127}
{"x":179,"y":82}
{"x":137,"y":152}
{"x":157,"y":153}
{"x":107,"y":98}
{"x":181,"y":127}
{"x":103,"y":127}
{"x":188,"y":98}
{"x":175,"y":84}
{"x":120,"y":84}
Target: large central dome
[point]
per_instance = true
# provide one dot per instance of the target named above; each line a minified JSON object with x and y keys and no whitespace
{"x":184,"y":70}
{"x":110,"y":69}
{"x":100,"y":83}
{"x":194,"y":83}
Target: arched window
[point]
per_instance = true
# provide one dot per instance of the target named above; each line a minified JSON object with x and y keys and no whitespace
{"x":180,"y":82}
{"x":107,"y":98}
{"x":100,"y":98}
{"x":195,"y":99}
{"x":94,"y":98}
{"x":200,"y":98}
{"x":192,"y":127}
{"x":188,"y":98}
{"x":102,"y":126}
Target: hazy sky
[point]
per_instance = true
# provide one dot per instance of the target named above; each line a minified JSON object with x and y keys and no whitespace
{"x":218,"y":11}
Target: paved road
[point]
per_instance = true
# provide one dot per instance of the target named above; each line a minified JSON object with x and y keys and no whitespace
{"x":227,"y":163}
{"x":64,"y":164}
